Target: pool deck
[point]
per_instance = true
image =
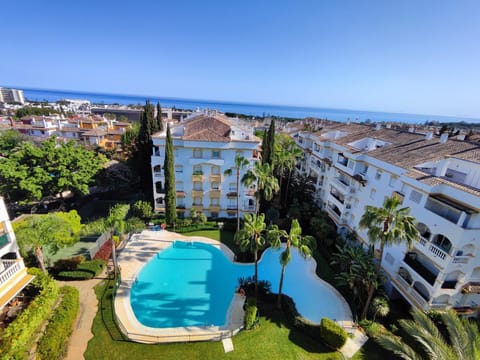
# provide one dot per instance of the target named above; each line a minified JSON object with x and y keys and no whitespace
{"x":138,"y":251}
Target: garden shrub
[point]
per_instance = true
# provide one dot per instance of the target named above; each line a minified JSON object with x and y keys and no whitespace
{"x":68,"y":264}
{"x":17,"y":337}
{"x":94,"y":266}
{"x":372,"y":328}
{"x":332,"y":334}
{"x":53,"y":344}
{"x":251,"y":318}
{"x":75,"y":275}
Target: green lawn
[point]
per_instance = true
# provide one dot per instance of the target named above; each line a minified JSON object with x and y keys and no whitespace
{"x":274,"y":339}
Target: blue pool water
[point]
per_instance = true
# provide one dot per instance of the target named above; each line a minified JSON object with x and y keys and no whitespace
{"x":192,"y":284}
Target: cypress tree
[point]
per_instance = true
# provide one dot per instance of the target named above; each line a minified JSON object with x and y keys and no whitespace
{"x":159,"y":117}
{"x":271,"y":142}
{"x":144,"y":148}
{"x":264,"y":147}
{"x":170,"y":191}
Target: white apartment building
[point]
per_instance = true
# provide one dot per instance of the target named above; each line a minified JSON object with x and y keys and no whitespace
{"x":205,"y":145}
{"x":11,"y":96}
{"x":356,"y":165}
{"x":13,"y":274}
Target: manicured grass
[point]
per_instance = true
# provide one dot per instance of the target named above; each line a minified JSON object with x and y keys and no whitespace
{"x":372,"y":351}
{"x":212,"y":234}
{"x":273,"y":339}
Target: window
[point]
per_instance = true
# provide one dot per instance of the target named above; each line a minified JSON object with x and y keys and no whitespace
{"x":214,"y":202}
{"x":351,"y":164}
{"x":232,"y":187}
{"x":197,"y":170}
{"x":181,"y":203}
{"x":197,"y":153}
{"x":197,"y":201}
{"x":215,"y":154}
{"x":415,"y":196}
{"x":373,"y":192}
{"x":179,"y":169}
{"x":215,"y":170}
{"x":159,"y":200}
{"x":197,"y":185}
{"x":215,"y":185}
{"x":378,"y":175}
{"x":179,"y":185}
{"x":232,"y":203}
{"x":393,"y":180}
{"x":214,"y":215}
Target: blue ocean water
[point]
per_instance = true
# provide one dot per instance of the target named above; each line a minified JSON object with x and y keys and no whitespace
{"x":243,"y":108}
{"x":192,"y":284}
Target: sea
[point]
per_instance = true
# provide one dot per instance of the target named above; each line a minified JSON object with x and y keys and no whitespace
{"x":258,"y":110}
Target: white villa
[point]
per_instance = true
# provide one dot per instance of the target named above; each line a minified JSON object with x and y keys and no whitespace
{"x":13,"y":273}
{"x":205,"y":145}
{"x":355,"y":165}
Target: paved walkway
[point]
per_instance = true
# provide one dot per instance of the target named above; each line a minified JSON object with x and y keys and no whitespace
{"x":82,"y":330}
{"x":353,"y":345}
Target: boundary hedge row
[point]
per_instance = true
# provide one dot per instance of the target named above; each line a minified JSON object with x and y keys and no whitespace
{"x":53,"y":344}
{"x":19,"y":335}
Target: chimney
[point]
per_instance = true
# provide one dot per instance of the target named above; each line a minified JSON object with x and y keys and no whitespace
{"x":378,"y":126}
{"x":443,"y":138}
{"x":411,"y":129}
{"x":461,"y":137}
{"x":429,"y":135}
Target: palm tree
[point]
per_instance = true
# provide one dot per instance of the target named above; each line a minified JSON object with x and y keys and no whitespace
{"x":380,"y":307}
{"x":116,"y":222}
{"x":267,"y":183}
{"x":304,"y":244}
{"x":389,"y":225}
{"x":357,"y":271}
{"x":254,"y":236}
{"x":240,"y":163}
{"x":290,"y":155}
{"x":462,"y":340}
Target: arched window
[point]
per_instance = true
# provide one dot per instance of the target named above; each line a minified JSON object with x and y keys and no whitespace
{"x":424,"y":231}
{"x":442,"y":242}
{"x":159,"y":187}
{"x":157,"y":169}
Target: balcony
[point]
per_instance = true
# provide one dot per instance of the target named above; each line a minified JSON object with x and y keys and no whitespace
{"x":157,"y":174}
{"x":13,"y":279}
{"x":197,"y":193}
{"x":249,"y":208}
{"x":338,"y":196}
{"x":214,"y":208}
{"x":197,"y":207}
{"x":181,"y":193}
{"x":216,"y":178}
{"x":450,"y":210}
{"x":409,"y":292}
{"x":438,"y":255}
{"x":215,"y":194}
{"x":412,"y":261}
{"x":231,"y":193}
{"x":197,"y":176}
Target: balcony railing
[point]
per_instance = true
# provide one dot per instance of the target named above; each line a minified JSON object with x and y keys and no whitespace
{"x":420,"y":269}
{"x":11,"y":267}
{"x":410,"y":292}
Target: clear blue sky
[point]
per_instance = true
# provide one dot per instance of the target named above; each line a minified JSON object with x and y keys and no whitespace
{"x":416,"y":56}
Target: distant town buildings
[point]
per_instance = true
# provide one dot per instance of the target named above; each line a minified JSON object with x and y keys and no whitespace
{"x":438,"y":177}
{"x":11,"y":96}
{"x":205,"y":145}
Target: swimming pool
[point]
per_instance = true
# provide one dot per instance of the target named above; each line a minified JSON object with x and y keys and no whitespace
{"x":192,"y":284}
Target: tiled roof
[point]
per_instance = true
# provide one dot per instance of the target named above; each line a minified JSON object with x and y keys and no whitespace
{"x":406,"y":149}
{"x":207,"y":128}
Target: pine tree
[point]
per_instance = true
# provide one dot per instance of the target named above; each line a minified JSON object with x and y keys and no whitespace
{"x":159,"y":117}
{"x":170,"y":191}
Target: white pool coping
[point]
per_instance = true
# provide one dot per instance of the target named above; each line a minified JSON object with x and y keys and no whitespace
{"x":139,"y":250}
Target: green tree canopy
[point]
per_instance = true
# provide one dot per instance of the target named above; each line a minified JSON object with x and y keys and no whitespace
{"x":52,"y":232}
{"x":170,"y":188}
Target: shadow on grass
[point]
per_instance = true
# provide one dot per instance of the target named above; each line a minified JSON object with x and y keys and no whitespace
{"x":108,"y":311}
{"x":313,"y":345}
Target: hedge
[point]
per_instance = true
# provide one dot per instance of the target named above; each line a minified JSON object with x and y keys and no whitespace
{"x":84,"y":271}
{"x":53,"y":344}
{"x":17,"y":337}
{"x":250,"y":319}
{"x":332,"y":334}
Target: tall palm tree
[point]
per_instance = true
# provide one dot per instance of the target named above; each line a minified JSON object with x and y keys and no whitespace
{"x":462,"y":341}
{"x":267,"y":183}
{"x":285,"y":158}
{"x":304,"y":244}
{"x":389,"y":225}
{"x":240,"y":163}
{"x":254,"y":236}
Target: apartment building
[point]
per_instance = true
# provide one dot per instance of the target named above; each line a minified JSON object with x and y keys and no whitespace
{"x":355,"y":165}
{"x":205,"y":145}
{"x":11,"y":96}
{"x":13,"y":274}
